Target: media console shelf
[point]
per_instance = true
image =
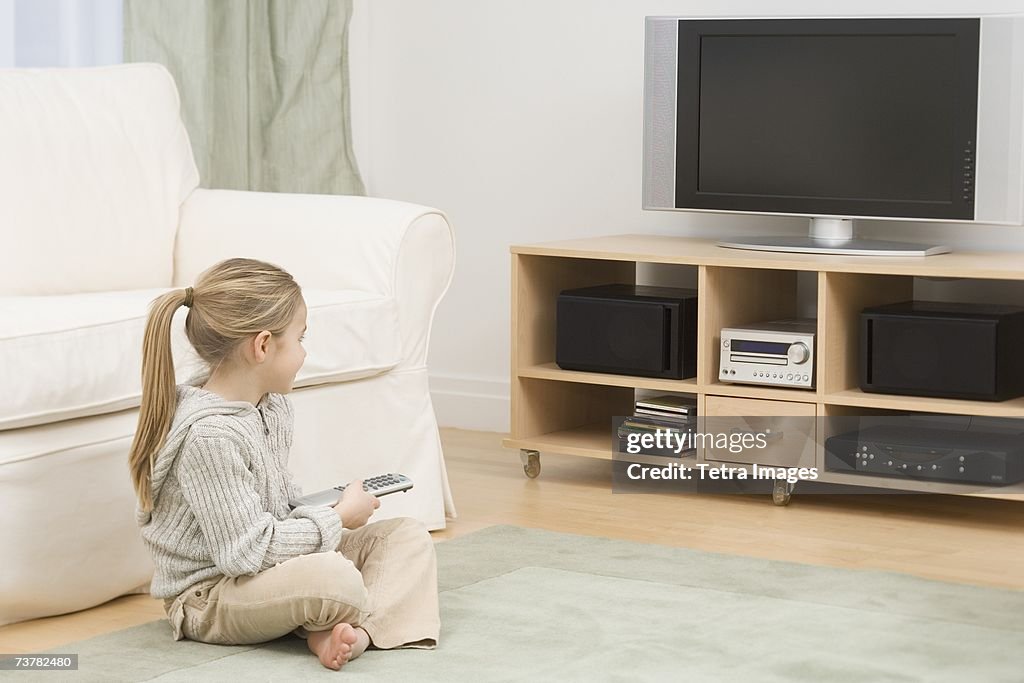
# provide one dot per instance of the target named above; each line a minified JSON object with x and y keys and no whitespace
{"x":570,"y":412}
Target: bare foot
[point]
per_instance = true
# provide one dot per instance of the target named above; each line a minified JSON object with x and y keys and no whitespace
{"x":334,"y":647}
{"x":362,"y":642}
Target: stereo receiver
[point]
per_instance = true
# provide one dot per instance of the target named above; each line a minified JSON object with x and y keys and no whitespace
{"x":778,"y":352}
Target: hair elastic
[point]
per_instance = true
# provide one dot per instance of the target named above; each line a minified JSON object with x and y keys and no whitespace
{"x":188,"y":297}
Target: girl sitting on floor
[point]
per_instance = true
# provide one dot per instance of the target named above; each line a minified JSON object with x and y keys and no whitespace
{"x":234,"y":564}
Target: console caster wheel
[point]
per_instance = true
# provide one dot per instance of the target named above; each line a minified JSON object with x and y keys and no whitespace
{"x":531,"y":462}
{"x":782,"y":491}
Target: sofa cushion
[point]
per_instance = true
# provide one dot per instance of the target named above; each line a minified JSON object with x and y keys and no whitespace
{"x":95,"y":164}
{"x":78,"y":355}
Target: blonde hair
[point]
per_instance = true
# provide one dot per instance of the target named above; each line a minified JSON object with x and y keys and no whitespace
{"x":231,"y":302}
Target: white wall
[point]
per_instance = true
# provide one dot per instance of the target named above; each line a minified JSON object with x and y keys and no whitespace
{"x":522,"y":120}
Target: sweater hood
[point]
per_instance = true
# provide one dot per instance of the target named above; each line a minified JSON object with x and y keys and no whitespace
{"x":193,"y":404}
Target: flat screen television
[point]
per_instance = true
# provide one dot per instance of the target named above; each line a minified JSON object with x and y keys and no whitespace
{"x":836,"y":119}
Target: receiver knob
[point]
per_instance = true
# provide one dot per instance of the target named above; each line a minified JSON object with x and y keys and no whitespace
{"x":798,"y":353}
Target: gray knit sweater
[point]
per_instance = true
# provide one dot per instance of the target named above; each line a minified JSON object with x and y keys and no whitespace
{"x":220,"y":494}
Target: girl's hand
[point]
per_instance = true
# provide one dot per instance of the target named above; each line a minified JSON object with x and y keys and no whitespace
{"x":356,"y":505}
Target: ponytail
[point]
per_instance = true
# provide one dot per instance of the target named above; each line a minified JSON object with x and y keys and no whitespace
{"x":234,"y":300}
{"x":159,"y":392}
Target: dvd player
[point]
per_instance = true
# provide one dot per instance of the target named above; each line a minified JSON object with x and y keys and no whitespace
{"x":969,"y":457}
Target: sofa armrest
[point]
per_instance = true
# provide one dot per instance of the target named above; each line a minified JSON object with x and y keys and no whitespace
{"x":396,"y":249}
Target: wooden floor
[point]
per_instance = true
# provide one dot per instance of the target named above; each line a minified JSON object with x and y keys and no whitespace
{"x":969,"y":540}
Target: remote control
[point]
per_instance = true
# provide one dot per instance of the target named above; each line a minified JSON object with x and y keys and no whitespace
{"x":380,"y":485}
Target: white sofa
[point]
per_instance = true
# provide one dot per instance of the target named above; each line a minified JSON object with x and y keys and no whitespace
{"x":100,"y":212}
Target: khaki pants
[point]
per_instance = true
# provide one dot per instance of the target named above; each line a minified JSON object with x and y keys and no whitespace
{"x":383,"y":579}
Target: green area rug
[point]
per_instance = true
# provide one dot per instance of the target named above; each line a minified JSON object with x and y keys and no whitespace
{"x":521,"y":604}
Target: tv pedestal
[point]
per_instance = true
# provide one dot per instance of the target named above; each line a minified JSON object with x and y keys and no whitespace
{"x":833,"y":236}
{"x":571,"y":412}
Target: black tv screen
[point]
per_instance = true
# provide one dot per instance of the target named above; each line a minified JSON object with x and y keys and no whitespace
{"x":873,"y":117}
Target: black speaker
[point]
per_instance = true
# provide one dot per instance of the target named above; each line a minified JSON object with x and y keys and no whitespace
{"x":628,"y":330}
{"x":926,"y":348}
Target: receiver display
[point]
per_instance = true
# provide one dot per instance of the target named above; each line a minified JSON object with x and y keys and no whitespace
{"x":747,"y":346}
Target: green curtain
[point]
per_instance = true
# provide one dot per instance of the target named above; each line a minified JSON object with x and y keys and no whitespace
{"x":264,"y":88}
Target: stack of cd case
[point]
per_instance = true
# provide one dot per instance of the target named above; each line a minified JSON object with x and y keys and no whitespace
{"x":667,"y":406}
{"x":671,"y":415}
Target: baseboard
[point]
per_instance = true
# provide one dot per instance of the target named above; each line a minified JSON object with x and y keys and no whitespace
{"x":470,"y":402}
